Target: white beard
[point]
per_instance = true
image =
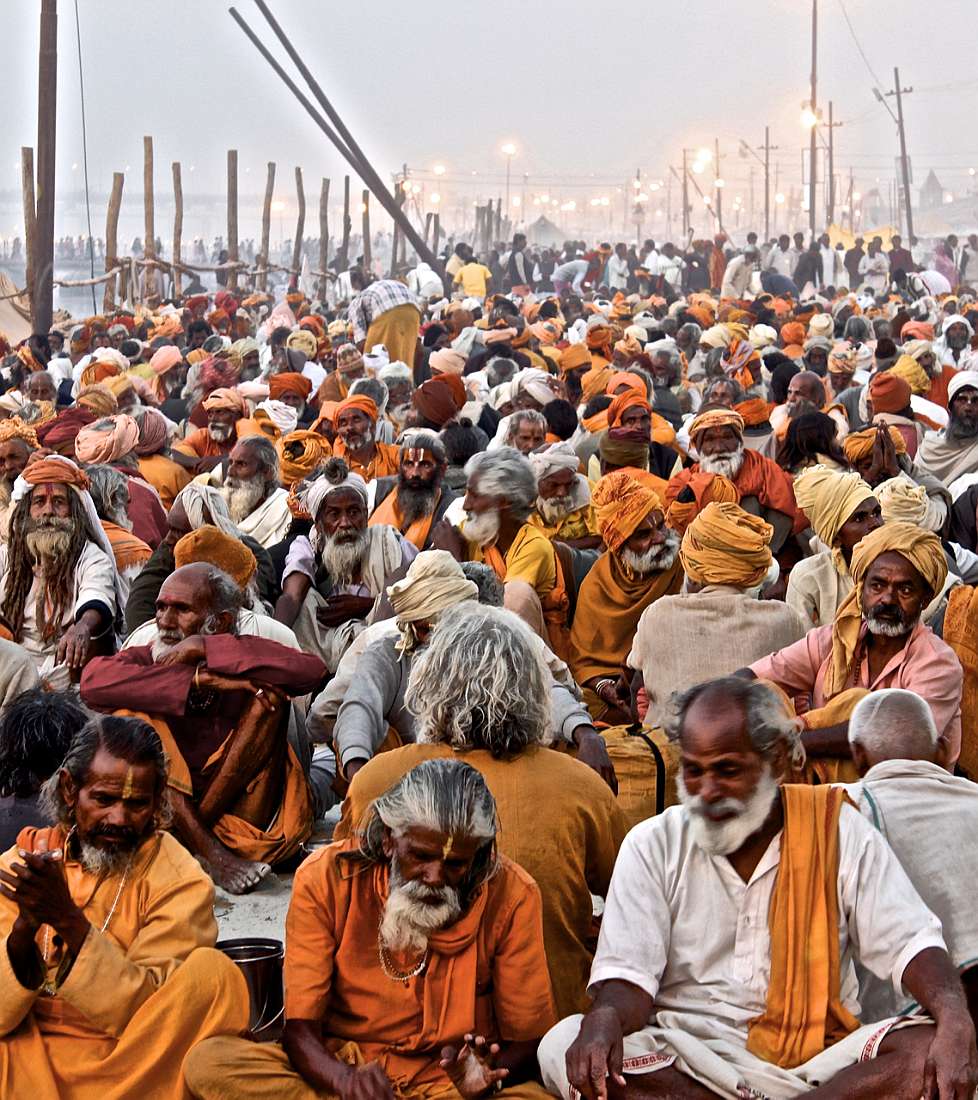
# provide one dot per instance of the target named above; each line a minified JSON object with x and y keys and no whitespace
{"x":243,"y":497}
{"x":342,"y":560}
{"x":220,"y":433}
{"x":723,"y":838}
{"x":408,"y":920}
{"x":656,"y":559}
{"x":885,"y":629}
{"x":555,"y":509}
{"x":103,"y":862}
{"x":482,"y":529}
{"x":726,"y":465}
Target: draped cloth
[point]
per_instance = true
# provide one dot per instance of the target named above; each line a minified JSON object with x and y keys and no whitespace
{"x":947,"y":459}
{"x":758,"y":477}
{"x":829,"y":497}
{"x":397,"y":329}
{"x":706,"y":488}
{"x":804,"y":1013}
{"x":389,"y":512}
{"x":961,"y":634}
{"x":726,"y":545}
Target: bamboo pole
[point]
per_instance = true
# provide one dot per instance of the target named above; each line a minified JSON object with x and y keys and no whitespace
{"x":366,"y":230}
{"x":427,"y":226}
{"x":323,"y":235}
{"x":112,"y":239}
{"x":266,"y":227}
{"x":347,"y":224}
{"x":149,"y":214}
{"x":30,"y":221}
{"x":177,"y":228}
{"x":42,"y":299}
{"x":232,"y":217}
{"x":300,"y":226}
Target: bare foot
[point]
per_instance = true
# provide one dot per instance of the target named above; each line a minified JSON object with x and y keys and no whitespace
{"x":234,"y":874}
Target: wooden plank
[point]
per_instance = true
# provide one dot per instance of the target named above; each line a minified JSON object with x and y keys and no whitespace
{"x":149,"y":213}
{"x":42,"y":299}
{"x":112,"y":239}
{"x":177,"y":228}
{"x":300,"y":226}
{"x":365,"y":245}
{"x":323,"y":236}
{"x":30,"y":221}
{"x":347,"y":225}
{"x":266,"y":227}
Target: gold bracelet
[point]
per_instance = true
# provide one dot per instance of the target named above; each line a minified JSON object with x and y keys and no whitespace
{"x":197,"y":677}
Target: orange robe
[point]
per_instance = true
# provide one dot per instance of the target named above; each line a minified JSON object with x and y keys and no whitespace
{"x":166,"y":476}
{"x":126,"y":548}
{"x":388,"y":512}
{"x":385,"y":462}
{"x":139,"y":995}
{"x":198,"y":444}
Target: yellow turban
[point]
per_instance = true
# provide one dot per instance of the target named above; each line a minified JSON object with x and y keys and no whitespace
{"x":726,"y":545}
{"x":829,"y":497}
{"x":304,"y":341}
{"x":716,"y":418}
{"x":300,"y":453}
{"x":902,"y":501}
{"x":907,"y":368}
{"x":15,"y":428}
{"x":924,"y":552}
{"x":620,"y":504}
{"x":859,"y":445}
{"x":208,"y":543}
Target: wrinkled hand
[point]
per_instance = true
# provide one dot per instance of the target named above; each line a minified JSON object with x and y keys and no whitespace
{"x":39,"y":889}
{"x":367,"y":1082}
{"x":592,"y":750}
{"x":616,"y":695}
{"x":951,"y":1069}
{"x":446,"y":537}
{"x":190,"y":651}
{"x":470,"y":1068}
{"x":74,"y":646}
{"x":270,"y":697}
{"x":596,"y":1054}
{"x":340,"y":609}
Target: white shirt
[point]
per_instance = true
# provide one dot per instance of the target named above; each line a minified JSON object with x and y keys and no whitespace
{"x":782,"y":261}
{"x":617,"y":273}
{"x":683,"y":926}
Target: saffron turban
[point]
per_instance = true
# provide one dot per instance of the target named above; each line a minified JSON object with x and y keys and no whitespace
{"x":447,"y":361}
{"x":755,"y":410}
{"x":599,"y":337}
{"x":15,"y":428}
{"x":299,"y":454}
{"x":629,"y":347}
{"x":922,"y":549}
{"x":316,"y":493}
{"x":433,"y":583}
{"x":621,"y":503}
{"x":227,"y":399}
{"x":917,"y":330}
{"x":706,"y":489}
{"x":630,"y":399}
{"x":29,"y":359}
{"x":842,"y":359}
{"x":726,"y":545}
{"x":901,"y":501}
{"x":859,"y":445}
{"x":53,"y":470}
{"x":962,"y":379}
{"x":792,"y":334}
{"x":626,"y":378}
{"x":907,"y":368}
{"x":97,"y":372}
{"x":348,"y":359}
{"x":888,"y":393}
{"x":289,"y":382}
{"x":166,"y":358}
{"x":210,"y":544}
{"x":107,"y":440}
{"x":361,"y":403}
{"x":152,"y":432}
{"x":829,"y":497}
{"x":574,"y":357}
{"x":556,"y":457}
{"x":303,"y":340}
{"x":716,"y":418}
{"x":436,"y":401}
{"x":99,"y":399}
{"x":118,"y":384}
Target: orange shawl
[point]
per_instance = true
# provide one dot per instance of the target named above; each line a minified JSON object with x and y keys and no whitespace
{"x":389,"y":512}
{"x":385,"y":463}
{"x":126,"y":548}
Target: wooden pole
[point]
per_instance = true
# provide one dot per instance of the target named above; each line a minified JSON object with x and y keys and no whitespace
{"x":42,"y":303}
{"x":347,"y":225}
{"x":266,"y":227}
{"x":177,"y":228}
{"x":427,"y":226}
{"x":300,"y":227}
{"x":499,"y":223}
{"x":365,"y":244}
{"x":112,"y":239}
{"x":149,"y":213}
{"x":323,"y":235}
{"x":232,"y":217}
{"x":436,"y":233}
{"x":30,"y":223}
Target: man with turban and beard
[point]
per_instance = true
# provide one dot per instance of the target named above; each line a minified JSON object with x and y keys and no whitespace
{"x":842,"y":508}
{"x":152,"y":453}
{"x":204,"y":448}
{"x":112,"y":441}
{"x":356,"y":442}
{"x":17,"y":441}
{"x":415,"y":962}
{"x":57,"y":577}
{"x":219,"y":701}
{"x":563,"y":509}
{"x":878,"y":640}
{"x":953,"y":347}
{"x":639,"y":566}
{"x":109,"y":975}
{"x":764,"y":488}
{"x":169,"y":375}
{"x":257,"y":503}
{"x":731,"y":932}
{"x":950,"y":453}
{"x":335,"y":578}
{"x":682,"y":640}
{"x":292,"y":389}
{"x":417,"y":498}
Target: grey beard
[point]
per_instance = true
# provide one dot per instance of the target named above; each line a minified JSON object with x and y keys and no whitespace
{"x":482,"y":529}
{"x":342,"y":560}
{"x":961,"y":429}
{"x":220,"y":433}
{"x":657,"y":559}
{"x":243,"y":497}
{"x":555,"y":509}
{"x":103,"y":862}
{"x":48,"y":541}
{"x":726,"y":465}
{"x":415,"y":504}
{"x":883,"y":628}
{"x":409,"y":915}
{"x":723,"y":838}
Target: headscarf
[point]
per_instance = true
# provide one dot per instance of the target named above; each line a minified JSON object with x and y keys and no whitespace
{"x":558,"y":456}
{"x":304,"y":341}
{"x":706,"y":489}
{"x":534,"y":383}
{"x":630,"y":399}
{"x":829,"y":497}
{"x":621,"y":504}
{"x":436,"y":400}
{"x":959,"y":381}
{"x":917,"y":330}
{"x":912,"y":373}
{"x":153,"y":432}
{"x":726,"y":545}
{"x":821,"y":325}
{"x":433,"y":583}
{"x":283,"y":416}
{"x":225,"y":398}
{"x":737,"y":361}
{"x":96,"y":443}
{"x":923,"y":551}
{"x":600,"y":337}
{"x":888,"y":393}
{"x":53,"y":469}
{"x":446,"y":361}
{"x":211,"y":544}
{"x":574,"y":357}
{"x":15,"y":428}
{"x":316,"y":493}
{"x":625,"y":378}
{"x":858,"y":445}
{"x":716,"y":418}
{"x":197,"y":498}
{"x":361,"y":403}
{"x":289,"y":382}
{"x":299,"y":454}
{"x":902,"y":502}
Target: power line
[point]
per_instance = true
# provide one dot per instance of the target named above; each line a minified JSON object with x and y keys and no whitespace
{"x":862,"y":53}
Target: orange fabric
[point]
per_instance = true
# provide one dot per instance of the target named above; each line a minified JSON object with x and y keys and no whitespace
{"x":574,"y":357}
{"x":630,"y":399}
{"x":289,"y":382}
{"x":166,"y":476}
{"x":198,"y":443}
{"x":48,"y":471}
{"x":15,"y":428}
{"x":596,"y":423}
{"x":804,"y":1013}
{"x":361,"y":403}
{"x":385,"y":462}
{"x":889,"y":392}
{"x":594,"y":380}
{"x":620,"y":505}
{"x":706,"y":488}
{"x":758,"y":477}
{"x":126,"y":548}
{"x":662,"y":431}
{"x":299,"y":453}
{"x":97,"y":372}
{"x":716,"y":418}
{"x":625,"y":378}
{"x":961,"y":634}
{"x":388,"y":512}
{"x":754,"y":411}
{"x":859,"y":445}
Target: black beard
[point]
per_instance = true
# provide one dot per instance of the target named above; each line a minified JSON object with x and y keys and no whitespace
{"x":961,"y":426}
{"x":416,"y":499}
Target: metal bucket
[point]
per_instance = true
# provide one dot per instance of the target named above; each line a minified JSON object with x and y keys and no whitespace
{"x":260,"y":961}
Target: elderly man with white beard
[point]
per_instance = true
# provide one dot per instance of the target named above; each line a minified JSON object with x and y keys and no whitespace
{"x":58,"y":583}
{"x":717,"y":435}
{"x":17,"y":441}
{"x":335,"y":578}
{"x":953,"y":452}
{"x":563,"y":509}
{"x":257,"y":503}
{"x":414,"y":966}
{"x":725,"y":964}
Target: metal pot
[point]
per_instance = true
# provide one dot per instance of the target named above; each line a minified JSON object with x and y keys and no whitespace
{"x":260,"y":961}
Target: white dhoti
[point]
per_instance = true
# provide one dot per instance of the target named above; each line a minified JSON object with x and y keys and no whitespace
{"x":713,"y":1053}
{"x":327,"y":642}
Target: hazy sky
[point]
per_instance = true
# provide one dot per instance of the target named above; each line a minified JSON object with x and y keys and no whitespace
{"x":578,"y":88}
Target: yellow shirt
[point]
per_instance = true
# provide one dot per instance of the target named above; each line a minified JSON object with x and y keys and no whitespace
{"x":473,"y":278}
{"x":579,"y":524}
{"x":530,"y":558}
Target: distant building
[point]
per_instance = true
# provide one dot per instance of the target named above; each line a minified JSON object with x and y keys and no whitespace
{"x":932,"y":193}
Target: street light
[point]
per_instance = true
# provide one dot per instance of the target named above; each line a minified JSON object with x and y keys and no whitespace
{"x":439,"y":169}
{"x":508,"y":151}
{"x":809,"y":118}
{"x":435,"y":198}
{"x":779,"y":199}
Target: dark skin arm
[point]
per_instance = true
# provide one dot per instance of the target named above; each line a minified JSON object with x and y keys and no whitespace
{"x":76,"y":642}
{"x":340,"y":609}
{"x":619,"y":1008}
{"x":446,"y":537}
{"x":476,"y":1066}
{"x":294,"y":590}
{"x":303,"y":1043}
{"x":827,"y":741}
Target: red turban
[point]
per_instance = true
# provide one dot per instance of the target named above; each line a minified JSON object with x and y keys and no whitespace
{"x":436,"y":400}
{"x":630,"y":399}
{"x":889,"y":392}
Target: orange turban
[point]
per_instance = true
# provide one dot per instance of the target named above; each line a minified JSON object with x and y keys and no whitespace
{"x":703,"y":317}
{"x":29,"y":359}
{"x":630,"y":399}
{"x":600,"y":337}
{"x":621,"y":503}
{"x":917,"y":330}
{"x":706,"y":488}
{"x":907,"y":368}
{"x":300,"y":453}
{"x":15,"y":428}
{"x":859,"y":445}
{"x":574,"y":357}
{"x":889,"y":392}
{"x":99,"y":399}
{"x":225,"y":398}
{"x":594,"y":380}
{"x":792,"y":333}
{"x":361,"y":403}
{"x":97,"y":372}
{"x":625,"y":378}
{"x":754,"y":411}
{"x":716,"y":418}
{"x":115,"y":440}
{"x":726,"y":545}
{"x":289,"y":382}
{"x":165,"y":358}
{"x":210,"y":544}
{"x":54,"y":471}
{"x":628,"y":346}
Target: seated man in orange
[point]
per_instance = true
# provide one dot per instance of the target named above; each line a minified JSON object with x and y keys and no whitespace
{"x":205,"y":448}
{"x":717,"y":435}
{"x":356,"y":443}
{"x":414,"y":963}
{"x":107,"y":973}
{"x":418,"y":497}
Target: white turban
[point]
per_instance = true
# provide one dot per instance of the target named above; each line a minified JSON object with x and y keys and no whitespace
{"x":956,"y":319}
{"x":376,"y":358}
{"x":558,"y":456}
{"x":317,"y":492}
{"x":960,"y":380}
{"x":533,"y":382}
{"x":283,"y":416}
{"x":433,"y":582}
{"x":762,"y":336}
{"x":197,"y":499}
{"x":110,"y":355}
{"x":821,"y":324}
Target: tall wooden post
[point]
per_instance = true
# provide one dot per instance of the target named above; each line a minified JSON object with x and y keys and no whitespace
{"x":487,"y":227}
{"x":177,"y":228}
{"x":436,"y":233}
{"x":499,"y":223}
{"x":300,"y":228}
{"x":266,"y":227}
{"x":427,"y":226}
{"x":232,"y":217}
{"x":30,"y":224}
{"x":42,"y":301}
{"x":365,"y":245}
{"x":112,"y":240}
{"x":347,"y":224}
{"x":149,"y":213}
{"x":323,"y":236}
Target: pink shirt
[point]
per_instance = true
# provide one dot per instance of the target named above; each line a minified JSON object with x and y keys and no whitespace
{"x":926,"y":665}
